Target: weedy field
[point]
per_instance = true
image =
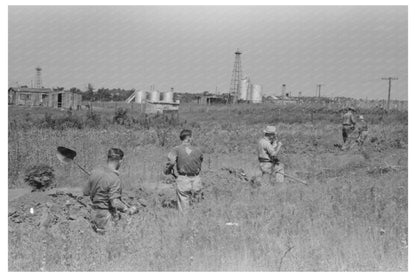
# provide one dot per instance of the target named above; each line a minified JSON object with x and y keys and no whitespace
{"x":351,"y":217}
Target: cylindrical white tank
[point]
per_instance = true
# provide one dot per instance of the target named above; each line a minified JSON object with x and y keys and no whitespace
{"x":140,"y":96}
{"x":168,"y":97}
{"x":155,"y":96}
{"x":244,"y":88}
{"x":250,"y":92}
{"x":256,"y":96}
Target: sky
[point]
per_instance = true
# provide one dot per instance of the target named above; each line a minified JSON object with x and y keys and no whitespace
{"x":348,"y":49}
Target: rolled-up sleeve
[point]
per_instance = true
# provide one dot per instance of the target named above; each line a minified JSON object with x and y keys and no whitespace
{"x":172,"y":156}
{"x":270,"y":150}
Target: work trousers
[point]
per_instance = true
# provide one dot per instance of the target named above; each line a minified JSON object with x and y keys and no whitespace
{"x":103,"y":220}
{"x":188,"y":190}
{"x":362,"y":137}
{"x":269,"y":173}
{"x":347,"y":130}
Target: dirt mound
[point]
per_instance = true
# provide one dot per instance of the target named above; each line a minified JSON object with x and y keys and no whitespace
{"x":45,"y":209}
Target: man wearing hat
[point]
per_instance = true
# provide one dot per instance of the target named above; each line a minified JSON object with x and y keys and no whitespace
{"x":267,"y":150}
{"x":348,"y":126}
{"x":104,"y":189}
{"x":362,"y":130}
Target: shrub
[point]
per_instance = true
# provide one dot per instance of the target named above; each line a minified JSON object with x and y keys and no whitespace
{"x":60,"y":123}
{"x":93,"y":119}
{"x":120,"y":116}
{"x":40,"y":176}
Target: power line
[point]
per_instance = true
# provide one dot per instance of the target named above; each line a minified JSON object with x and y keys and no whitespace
{"x":388,"y":95}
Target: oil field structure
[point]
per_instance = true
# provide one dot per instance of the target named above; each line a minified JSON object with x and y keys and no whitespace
{"x":153,"y":102}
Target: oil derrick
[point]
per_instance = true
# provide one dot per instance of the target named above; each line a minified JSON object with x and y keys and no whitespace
{"x":236,"y":79}
{"x":38,"y":77}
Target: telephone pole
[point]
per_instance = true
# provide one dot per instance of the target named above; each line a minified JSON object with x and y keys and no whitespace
{"x":319,"y":89}
{"x":388,"y":95}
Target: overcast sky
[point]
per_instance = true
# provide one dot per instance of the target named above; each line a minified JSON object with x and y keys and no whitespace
{"x":346,"y":48}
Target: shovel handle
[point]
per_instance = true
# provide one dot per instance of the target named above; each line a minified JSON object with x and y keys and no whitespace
{"x":83,"y":169}
{"x":291,"y":177}
{"x":294,"y":178}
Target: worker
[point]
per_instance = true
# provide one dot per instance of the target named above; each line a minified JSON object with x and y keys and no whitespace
{"x":268,"y":148}
{"x":362,"y":130}
{"x":348,"y":126}
{"x":184,"y":162}
{"x":104,"y":189}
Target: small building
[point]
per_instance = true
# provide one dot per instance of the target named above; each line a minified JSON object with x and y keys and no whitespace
{"x":210,"y":100}
{"x":282,"y":100}
{"x":64,"y":99}
{"x":161,"y":107}
{"x":44,"y":97}
{"x":28,"y":96}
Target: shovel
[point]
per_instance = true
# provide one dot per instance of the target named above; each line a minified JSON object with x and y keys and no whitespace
{"x":293,"y":178}
{"x":66,"y":155}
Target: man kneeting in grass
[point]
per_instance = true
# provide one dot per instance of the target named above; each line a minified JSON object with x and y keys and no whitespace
{"x":104,"y":189}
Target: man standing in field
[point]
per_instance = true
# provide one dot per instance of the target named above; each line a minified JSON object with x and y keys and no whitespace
{"x":104,"y":189}
{"x":362,"y":130}
{"x":348,"y":126}
{"x":268,"y":149}
{"x":184,"y":162}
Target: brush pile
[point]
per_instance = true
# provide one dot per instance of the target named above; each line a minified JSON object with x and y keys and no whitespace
{"x":40,"y":177}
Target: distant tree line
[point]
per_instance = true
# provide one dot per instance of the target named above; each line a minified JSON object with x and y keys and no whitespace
{"x":103,"y":94}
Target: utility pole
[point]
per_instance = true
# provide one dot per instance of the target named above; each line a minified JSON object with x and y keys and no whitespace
{"x":388,"y":95}
{"x":319,"y":89}
{"x":283,"y":90}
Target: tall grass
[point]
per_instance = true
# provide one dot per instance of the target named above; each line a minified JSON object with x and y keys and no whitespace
{"x":350,"y":218}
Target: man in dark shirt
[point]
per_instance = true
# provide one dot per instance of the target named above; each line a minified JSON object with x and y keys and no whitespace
{"x":348,"y":126}
{"x":104,"y":189}
{"x":184,"y":162}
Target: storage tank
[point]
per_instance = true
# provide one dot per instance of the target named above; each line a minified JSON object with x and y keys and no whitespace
{"x":168,"y":97}
{"x":256,"y":96}
{"x":140,"y":96}
{"x":244,"y":88}
{"x":155,"y":96}
{"x":250,"y":92}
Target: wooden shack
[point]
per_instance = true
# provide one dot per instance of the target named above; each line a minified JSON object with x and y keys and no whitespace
{"x":24,"y":96}
{"x":64,"y":99}
{"x":28,"y":96}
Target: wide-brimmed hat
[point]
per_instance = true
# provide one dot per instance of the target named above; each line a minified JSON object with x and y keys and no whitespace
{"x":361,"y":117}
{"x":270,"y":130}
